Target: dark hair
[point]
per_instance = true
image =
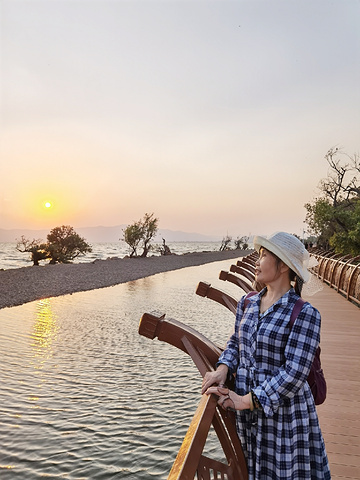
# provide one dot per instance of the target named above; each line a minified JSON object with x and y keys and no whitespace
{"x":298,"y":282}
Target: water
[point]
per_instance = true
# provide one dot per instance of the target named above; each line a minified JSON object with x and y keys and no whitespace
{"x":11,"y":258}
{"x":84,"y":396}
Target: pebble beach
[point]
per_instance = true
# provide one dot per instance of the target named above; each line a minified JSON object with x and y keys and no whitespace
{"x":27,"y":284}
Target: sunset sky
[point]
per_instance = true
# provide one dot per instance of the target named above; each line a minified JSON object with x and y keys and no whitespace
{"x":214,"y":115}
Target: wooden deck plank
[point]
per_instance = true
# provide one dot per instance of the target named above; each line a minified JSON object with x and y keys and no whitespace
{"x":340,"y":357}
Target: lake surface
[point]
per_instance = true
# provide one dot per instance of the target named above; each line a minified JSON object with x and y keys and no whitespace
{"x":12,"y":258}
{"x":84,"y":396}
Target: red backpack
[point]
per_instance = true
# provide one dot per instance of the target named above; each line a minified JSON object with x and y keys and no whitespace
{"x":316,"y":378}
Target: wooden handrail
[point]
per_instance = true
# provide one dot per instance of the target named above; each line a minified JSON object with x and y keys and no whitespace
{"x":246,"y":265}
{"x":339,"y":272}
{"x":171,"y":331}
{"x":235,"y":280}
{"x":205,"y":354}
{"x":205,"y":289}
{"x":187,"y":460}
{"x":242,"y":271}
{"x":246,"y":270}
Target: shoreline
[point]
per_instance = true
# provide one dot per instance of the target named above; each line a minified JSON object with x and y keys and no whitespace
{"x":28,"y":284}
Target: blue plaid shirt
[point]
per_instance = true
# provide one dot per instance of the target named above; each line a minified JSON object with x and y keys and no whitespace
{"x":283,"y":439}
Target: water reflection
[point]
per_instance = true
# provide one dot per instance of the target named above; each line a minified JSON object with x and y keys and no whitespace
{"x":44,"y":331}
{"x":84,"y":396}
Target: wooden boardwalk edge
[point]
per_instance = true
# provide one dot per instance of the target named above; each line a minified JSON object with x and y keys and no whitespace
{"x":340,"y":357}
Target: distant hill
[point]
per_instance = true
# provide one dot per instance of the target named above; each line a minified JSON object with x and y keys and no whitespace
{"x":12,"y":235}
{"x":178,"y":236}
{"x":107,"y":234}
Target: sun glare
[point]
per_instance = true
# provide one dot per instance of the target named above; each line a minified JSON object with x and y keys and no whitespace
{"x":47,"y":204}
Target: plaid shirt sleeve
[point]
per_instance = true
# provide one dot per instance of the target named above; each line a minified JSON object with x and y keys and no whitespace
{"x":299,"y":353}
{"x":230,"y":355}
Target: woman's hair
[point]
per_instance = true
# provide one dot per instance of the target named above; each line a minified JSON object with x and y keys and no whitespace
{"x":298,"y":282}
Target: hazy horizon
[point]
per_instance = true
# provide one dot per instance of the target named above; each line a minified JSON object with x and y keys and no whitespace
{"x":215,"y":116}
{"x":110,"y":234}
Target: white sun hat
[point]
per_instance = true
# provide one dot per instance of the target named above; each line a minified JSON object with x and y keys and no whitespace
{"x":289,"y":249}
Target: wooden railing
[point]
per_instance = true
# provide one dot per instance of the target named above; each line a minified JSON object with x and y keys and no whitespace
{"x":339,"y":272}
{"x":190,"y":461}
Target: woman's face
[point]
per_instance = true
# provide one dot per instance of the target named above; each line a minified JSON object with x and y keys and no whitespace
{"x":267,"y":267}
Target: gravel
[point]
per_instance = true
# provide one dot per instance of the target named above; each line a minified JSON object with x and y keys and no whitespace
{"x":22,"y":285}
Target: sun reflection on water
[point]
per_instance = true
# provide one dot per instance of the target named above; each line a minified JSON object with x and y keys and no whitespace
{"x":75,"y":368}
{"x":44,"y":330}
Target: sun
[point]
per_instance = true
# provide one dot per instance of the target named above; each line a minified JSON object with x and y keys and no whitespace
{"x":48,"y":205}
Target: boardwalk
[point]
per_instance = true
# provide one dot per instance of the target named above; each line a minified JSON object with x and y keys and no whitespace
{"x":339,"y":415}
{"x":340,"y":357}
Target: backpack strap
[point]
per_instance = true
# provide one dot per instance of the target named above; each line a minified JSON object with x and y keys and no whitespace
{"x":247,"y":298}
{"x":296,"y":310}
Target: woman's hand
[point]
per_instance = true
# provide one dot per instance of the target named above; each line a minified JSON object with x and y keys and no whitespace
{"x":229,"y":399}
{"x":218,"y":377}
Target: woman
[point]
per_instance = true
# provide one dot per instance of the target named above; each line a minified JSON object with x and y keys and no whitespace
{"x":276,"y":416}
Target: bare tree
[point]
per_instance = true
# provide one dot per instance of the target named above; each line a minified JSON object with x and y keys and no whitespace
{"x":225,"y":242}
{"x":342,"y":182}
{"x":241,"y":243}
{"x":164,"y":249}
{"x":35,"y":247}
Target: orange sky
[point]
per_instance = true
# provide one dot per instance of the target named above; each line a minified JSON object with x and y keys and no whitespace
{"x":216,"y":116}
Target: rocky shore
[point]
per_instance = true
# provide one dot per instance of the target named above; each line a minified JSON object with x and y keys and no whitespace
{"x":22,"y":285}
